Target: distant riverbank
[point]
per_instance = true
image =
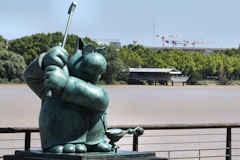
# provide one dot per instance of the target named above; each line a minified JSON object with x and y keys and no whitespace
{"x":215,"y":82}
{"x":201,"y":83}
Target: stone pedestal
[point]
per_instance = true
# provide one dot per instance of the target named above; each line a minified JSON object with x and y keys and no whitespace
{"x":121,"y":155}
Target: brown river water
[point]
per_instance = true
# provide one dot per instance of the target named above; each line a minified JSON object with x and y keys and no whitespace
{"x":144,"y":105}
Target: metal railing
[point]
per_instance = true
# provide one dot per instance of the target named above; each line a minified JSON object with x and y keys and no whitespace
{"x":26,"y":131}
{"x":135,"y":143}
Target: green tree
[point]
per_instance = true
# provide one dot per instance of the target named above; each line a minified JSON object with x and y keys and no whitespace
{"x":11,"y":65}
{"x":31,"y":46}
{"x":87,"y":40}
{"x":194,"y":78}
{"x":3,"y":43}
{"x":116,"y":69}
{"x":130,"y":58}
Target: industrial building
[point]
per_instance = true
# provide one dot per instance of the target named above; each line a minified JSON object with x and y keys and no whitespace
{"x":156,"y":75}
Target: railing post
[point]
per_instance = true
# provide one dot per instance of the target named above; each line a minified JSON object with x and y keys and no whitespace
{"x":199,"y":154}
{"x":27,"y":141}
{"x":169,"y":155}
{"x":135,"y":142}
{"x":229,"y":144}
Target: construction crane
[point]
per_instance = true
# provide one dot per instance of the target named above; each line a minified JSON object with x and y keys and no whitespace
{"x":175,"y":43}
{"x":194,"y":43}
{"x":185,"y":43}
{"x":164,"y":36}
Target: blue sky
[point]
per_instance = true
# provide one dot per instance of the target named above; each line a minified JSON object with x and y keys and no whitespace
{"x":215,"y":22}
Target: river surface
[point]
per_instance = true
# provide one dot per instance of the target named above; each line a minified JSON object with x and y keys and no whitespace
{"x":136,"y":105}
{"x":142,"y":105}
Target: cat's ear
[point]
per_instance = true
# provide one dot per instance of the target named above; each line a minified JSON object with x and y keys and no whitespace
{"x":80,"y":43}
{"x":77,"y":54}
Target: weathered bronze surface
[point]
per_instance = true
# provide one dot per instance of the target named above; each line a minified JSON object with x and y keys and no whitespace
{"x":73,"y":113}
{"x":116,"y":134}
{"x":73,"y":117}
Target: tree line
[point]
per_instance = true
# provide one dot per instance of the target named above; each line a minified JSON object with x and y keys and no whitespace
{"x":224,"y":65}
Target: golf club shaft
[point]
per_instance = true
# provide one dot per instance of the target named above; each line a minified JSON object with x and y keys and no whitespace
{"x":67,"y":30}
{"x":70,"y":13}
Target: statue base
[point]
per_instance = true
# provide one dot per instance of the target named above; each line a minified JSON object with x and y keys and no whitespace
{"x":120,"y":155}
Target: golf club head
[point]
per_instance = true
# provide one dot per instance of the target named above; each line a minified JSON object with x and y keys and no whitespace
{"x":72,"y":7}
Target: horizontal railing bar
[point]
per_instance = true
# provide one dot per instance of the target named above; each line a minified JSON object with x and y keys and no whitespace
{"x":183,"y":135}
{"x":196,"y":157}
{"x":146,"y":127}
{"x":175,"y":135}
{"x":11,"y":148}
{"x":180,"y":126}
{"x":191,"y":150}
{"x":18,"y":130}
{"x":20,"y":139}
{"x":201,"y":142}
{"x":182,"y":142}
